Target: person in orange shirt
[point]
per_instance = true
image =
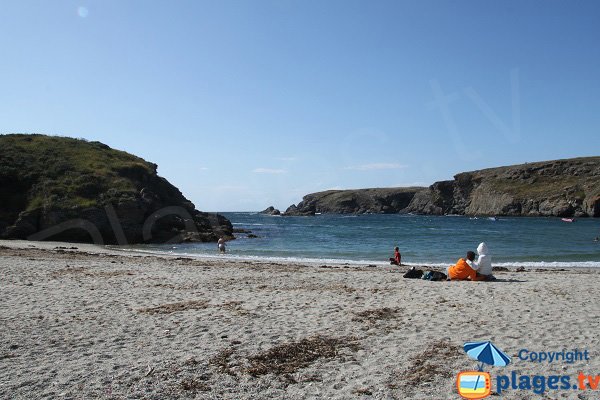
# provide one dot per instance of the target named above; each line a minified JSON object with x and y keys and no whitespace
{"x":461,"y":271}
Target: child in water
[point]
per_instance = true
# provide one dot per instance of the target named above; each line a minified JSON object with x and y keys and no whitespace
{"x":397,"y":259}
{"x":221,"y":245}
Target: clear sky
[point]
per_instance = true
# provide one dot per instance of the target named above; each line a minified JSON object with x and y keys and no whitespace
{"x":246,"y":104}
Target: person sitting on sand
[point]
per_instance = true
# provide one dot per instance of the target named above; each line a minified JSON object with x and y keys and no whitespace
{"x":221,"y":244}
{"x":397,"y":260}
{"x":483,"y":265}
{"x":461,"y":271}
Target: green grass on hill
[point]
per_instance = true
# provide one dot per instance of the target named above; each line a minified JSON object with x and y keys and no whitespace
{"x":64,"y":172}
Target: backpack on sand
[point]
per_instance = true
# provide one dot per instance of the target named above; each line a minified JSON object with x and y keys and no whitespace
{"x":434,"y":276}
{"x":413,"y":273}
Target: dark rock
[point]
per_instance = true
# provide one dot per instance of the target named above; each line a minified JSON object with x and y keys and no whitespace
{"x":297,"y":211}
{"x":271,"y":211}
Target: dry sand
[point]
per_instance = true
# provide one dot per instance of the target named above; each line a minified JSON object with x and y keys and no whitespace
{"x":87,"y":322}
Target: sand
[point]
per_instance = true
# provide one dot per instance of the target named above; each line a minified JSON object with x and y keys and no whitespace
{"x":80,"y":322}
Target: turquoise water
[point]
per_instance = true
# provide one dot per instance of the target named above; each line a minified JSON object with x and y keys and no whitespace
{"x":432,"y":240}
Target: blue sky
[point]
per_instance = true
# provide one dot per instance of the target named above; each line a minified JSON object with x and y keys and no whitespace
{"x":246,"y":104}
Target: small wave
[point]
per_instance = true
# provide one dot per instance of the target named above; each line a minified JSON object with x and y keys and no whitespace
{"x":336,"y":261}
{"x":526,"y":264}
{"x":254,"y":224}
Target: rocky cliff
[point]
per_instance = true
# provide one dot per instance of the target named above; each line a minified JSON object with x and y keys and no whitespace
{"x":561,"y":188}
{"x":55,"y":188}
{"x":360,"y":201}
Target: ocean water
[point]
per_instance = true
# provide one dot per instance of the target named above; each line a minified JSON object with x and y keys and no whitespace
{"x":430,"y":240}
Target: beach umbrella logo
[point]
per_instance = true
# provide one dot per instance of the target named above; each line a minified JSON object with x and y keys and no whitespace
{"x":477,"y":384}
{"x":486,"y":353}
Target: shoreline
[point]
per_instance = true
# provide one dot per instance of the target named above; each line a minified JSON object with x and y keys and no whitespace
{"x":228,"y":257}
{"x":94,"y":323}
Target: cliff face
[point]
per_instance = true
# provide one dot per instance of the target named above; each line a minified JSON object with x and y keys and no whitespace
{"x":360,"y":201}
{"x":562,"y":188}
{"x":55,"y":188}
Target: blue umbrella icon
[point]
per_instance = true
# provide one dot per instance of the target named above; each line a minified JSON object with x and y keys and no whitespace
{"x":486,"y":353}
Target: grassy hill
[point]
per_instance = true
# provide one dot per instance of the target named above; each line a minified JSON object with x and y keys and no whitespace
{"x":47,"y":180}
{"x":562,"y":188}
{"x":356,"y":201}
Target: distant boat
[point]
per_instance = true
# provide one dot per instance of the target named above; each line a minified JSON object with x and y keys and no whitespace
{"x":493,"y":218}
{"x":567,"y":219}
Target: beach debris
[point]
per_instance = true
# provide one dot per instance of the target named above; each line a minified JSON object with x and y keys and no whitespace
{"x":363,"y":390}
{"x":192,"y":385}
{"x":290,"y":357}
{"x":149,"y":371}
{"x":84,"y":271}
{"x":221,"y":361}
{"x":373,"y":315}
{"x":425,"y":367}
{"x":235,"y":307}
{"x":521,"y":269}
{"x":175,"y":307}
{"x":191,"y":361}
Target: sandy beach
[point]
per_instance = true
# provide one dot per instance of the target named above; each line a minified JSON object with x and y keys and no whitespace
{"x":79,"y":322}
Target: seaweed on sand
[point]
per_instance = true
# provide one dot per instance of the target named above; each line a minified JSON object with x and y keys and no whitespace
{"x":175,"y":307}
{"x":377,"y":314}
{"x":290,"y":357}
{"x":221,"y":361}
{"x":424,"y":367}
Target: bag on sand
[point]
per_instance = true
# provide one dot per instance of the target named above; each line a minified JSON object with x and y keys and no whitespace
{"x":413,"y":273}
{"x":434,"y":276}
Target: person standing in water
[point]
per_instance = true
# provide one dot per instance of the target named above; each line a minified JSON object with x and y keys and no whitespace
{"x":221,"y":244}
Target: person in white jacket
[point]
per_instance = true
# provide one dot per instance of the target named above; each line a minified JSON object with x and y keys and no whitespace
{"x":483,"y":265}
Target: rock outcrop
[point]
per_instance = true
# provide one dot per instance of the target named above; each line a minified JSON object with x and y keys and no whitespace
{"x":561,"y":188}
{"x":271,"y":211}
{"x":360,"y":201}
{"x":56,"y":188}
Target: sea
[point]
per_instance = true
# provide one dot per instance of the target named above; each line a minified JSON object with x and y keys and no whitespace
{"x":423,"y":240}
